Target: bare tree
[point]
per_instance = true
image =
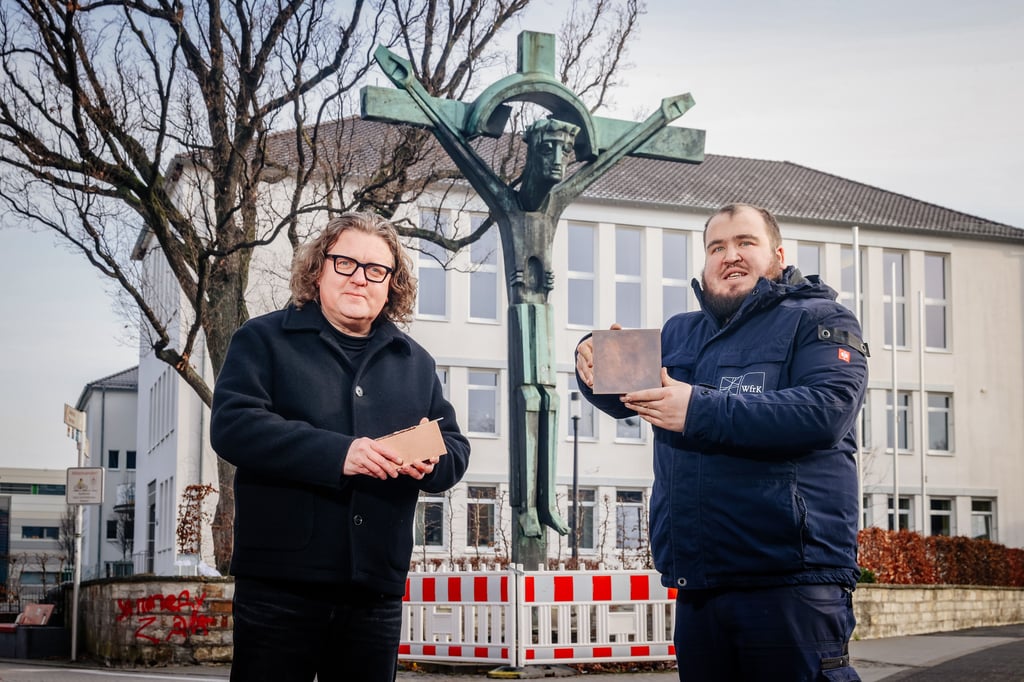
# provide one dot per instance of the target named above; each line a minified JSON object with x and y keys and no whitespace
{"x":66,"y":535}
{"x":157,"y":118}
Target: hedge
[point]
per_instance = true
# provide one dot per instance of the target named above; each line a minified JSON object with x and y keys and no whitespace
{"x":907,"y":558}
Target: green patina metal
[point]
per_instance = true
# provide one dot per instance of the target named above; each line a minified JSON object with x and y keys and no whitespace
{"x":527,"y":218}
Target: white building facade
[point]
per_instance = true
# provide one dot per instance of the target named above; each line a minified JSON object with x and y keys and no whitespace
{"x":108,"y":529}
{"x":34,"y":518}
{"x":946,"y":342}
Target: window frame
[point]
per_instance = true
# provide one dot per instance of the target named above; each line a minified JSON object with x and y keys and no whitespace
{"x":947,"y":410}
{"x":475,"y":505}
{"x":940,"y":302}
{"x":576,"y":276}
{"x":630,"y":506}
{"x":427,"y":262}
{"x":489,"y":267}
{"x":419,"y":521}
{"x":629,"y":285}
{"x":474,"y":389}
{"x":890,"y":337}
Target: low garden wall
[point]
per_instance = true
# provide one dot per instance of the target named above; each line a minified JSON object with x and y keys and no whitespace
{"x":149,"y":620}
{"x":896,"y":610}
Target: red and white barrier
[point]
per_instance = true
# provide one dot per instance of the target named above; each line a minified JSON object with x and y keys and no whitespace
{"x":458,"y":617}
{"x":595,"y":616}
{"x":520,"y":618}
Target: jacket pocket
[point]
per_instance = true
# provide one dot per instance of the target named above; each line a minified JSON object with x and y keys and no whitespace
{"x":754,"y":370}
{"x":753,"y":524}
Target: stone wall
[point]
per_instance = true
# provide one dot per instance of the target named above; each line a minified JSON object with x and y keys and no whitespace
{"x":161,"y":620}
{"x":156,"y":620}
{"x":896,"y":610}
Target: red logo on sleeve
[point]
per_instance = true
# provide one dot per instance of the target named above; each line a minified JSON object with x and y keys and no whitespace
{"x":844,"y":355}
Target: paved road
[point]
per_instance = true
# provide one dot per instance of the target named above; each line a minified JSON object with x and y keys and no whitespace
{"x":978,"y":655}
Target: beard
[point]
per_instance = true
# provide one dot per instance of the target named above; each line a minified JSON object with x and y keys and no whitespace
{"x":724,"y":306}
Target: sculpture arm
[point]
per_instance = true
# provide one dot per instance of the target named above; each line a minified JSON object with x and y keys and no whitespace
{"x":566,"y":192}
{"x":495,"y":193}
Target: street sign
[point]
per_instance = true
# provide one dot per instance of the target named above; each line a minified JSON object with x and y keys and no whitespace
{"x":75,"y":419}
{"x":84,"y":485}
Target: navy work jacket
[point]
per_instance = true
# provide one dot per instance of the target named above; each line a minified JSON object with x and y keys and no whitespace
{"x":286,"y":406}
{"x":760,"y":488}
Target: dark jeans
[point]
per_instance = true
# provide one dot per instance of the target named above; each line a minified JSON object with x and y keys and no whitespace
{"x":286,"y":632}
{"x":792,"y":633}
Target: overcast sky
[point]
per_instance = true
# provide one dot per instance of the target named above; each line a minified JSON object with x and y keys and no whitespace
{"x":920,"y":97}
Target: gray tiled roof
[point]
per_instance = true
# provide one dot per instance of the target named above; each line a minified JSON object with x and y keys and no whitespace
{"x":791,"y":191}
{"x":125,"y":380}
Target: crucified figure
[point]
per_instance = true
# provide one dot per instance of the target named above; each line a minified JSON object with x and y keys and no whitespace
{"x":527,"y":218}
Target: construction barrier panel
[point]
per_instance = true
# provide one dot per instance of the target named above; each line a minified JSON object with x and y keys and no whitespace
{"x":588,"y":616}
{"x":516,"y":618}
{"x":459,"y":617}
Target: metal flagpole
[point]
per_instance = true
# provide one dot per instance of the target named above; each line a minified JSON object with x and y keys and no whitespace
{"x":923,"y":411}
{"x":895,"y":410}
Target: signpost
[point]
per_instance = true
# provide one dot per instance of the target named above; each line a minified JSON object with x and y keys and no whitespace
{"x":84,"y":486}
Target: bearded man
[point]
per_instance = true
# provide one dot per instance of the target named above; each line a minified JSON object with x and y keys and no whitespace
{"x":754,"y":505}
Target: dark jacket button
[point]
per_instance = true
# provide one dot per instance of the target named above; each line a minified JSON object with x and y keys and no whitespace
{"x":357,"y":519}
{"x":359,"y":391}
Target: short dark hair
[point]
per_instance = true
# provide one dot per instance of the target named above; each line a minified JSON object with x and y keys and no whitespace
{"x":774,"y":233}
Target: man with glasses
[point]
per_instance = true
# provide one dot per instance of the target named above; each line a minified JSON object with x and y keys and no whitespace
{"x":324,"y":512}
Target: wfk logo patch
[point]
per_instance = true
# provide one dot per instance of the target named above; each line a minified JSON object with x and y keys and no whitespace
{"x":751,"y":382}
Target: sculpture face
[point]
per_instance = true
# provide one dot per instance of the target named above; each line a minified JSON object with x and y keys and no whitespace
{"x":549,"y":154}
{"x":548,"y":146}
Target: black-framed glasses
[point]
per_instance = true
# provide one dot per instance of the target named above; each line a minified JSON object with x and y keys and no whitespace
{"x":374,"y":272}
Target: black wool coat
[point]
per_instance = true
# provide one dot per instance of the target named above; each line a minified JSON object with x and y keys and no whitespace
{"x":286,"y":406}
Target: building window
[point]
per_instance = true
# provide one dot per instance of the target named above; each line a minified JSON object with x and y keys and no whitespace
{"x":429,"y":525}
{"x":129,"y":459}
{"x":112,"y":459}
{"x":630,"y":428}
{"x":151,"y":525}
{"x":983,"y":520}
{"x":808,"y":258}
{"x":480,"y":515}
{"x":588,"y":414}
{"x":432,"y":300}
{"x":904,"y":421}
{"x":483,"y":277}
{"x":111,"y":529}
{"x":582,"y":275}
{"x":904,"y":513}
{"x":941,"y":516}
{"x":32,"y":489}
{"x":898,"y":298}
{"x":483,"y":402}
{"x":40,"y":532}
{"x":675,"y":280}
{"x":442,"y":376}
{"x":628,"y":277}
{"x":867,"y":515}
{"x":936,"y":318}
{"x":865,"y":423}
{"x":586,"y":503}
{"x":940,"y":422}
{"x":629,"y":505}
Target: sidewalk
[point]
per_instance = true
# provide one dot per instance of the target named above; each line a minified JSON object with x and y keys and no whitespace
{"x":993,"y":654}
{"x":978,"y":654}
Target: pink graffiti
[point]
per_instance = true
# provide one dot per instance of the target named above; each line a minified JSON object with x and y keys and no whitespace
{"x":188,"y":619}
